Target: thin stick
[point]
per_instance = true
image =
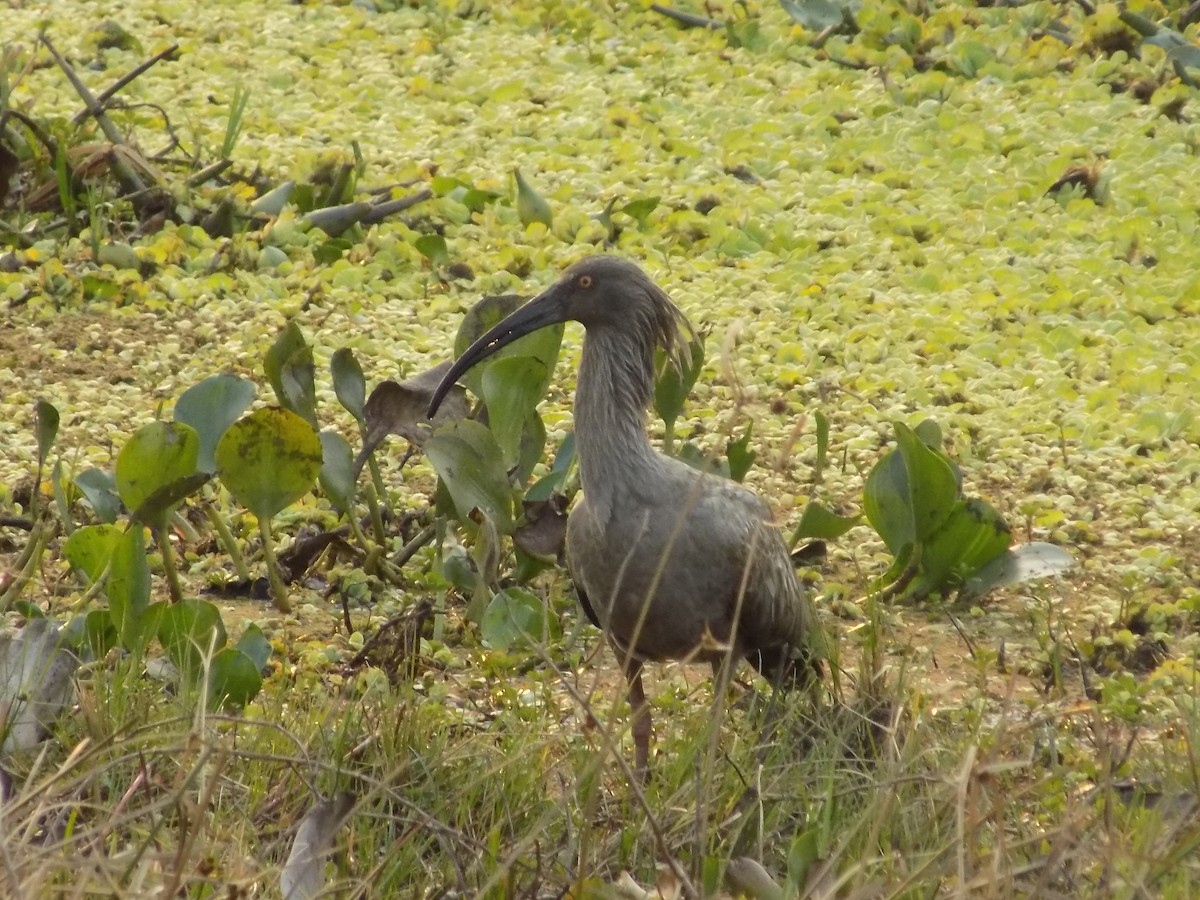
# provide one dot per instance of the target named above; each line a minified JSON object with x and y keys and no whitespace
{"x":125,"y":79}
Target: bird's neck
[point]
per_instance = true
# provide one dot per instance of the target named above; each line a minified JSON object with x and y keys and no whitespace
{"x":616,"y":380}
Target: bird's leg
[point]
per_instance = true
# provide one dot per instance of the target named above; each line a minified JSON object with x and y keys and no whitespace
{"x":641,"y":725}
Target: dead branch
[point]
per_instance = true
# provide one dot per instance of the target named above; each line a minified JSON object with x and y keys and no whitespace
{"x":128,"y":78}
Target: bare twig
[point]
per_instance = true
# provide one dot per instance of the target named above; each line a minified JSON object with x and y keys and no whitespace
{"x":209,"y":172}
{"x":124,"y":80}
{"x":686,"y":19}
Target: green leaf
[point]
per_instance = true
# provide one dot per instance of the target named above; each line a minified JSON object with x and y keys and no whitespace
{"x":739,"y":456}
{"x":673,"y":384}
{"x":158,"y":506}
{"x":433,"y":248}
{"x":337,"y":471}
{"x":128,"y":589}
{"x":972,"y":535}
{"x":933,"y":489}
{"x":818,"y":522}
{"x":290,"y":370}
{"x":640,"y":208}
{"x":822,"y":444}
{"x":533,"y":446}
{"x":471,"y":465}
{"x":100,"y":633}
{"x":531,"y":206}
{"x":269,"y":460}
{"x":233,"y":679}
{"x":886,"y":502}
{"x":46,"y":417}
{"x":511,"y":388}
{"x":515,"y":617}
{"x":541,"y":345}
{"x":212,"y":406}
{"x":89,"y":548}
{"x":157,"y":455}
{"x":255,"y":645}
{"x":817,"y":15}
{"x":273,"y":201}
{"x":1023,"y":563}
{"x":191,"y":631}
{"x":349,"y":383}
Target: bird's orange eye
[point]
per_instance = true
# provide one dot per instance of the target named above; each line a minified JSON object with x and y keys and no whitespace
{"x":585,"y":281}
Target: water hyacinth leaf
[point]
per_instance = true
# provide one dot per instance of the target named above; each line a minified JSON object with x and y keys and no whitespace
{"x":886,"y":502}
{"x":337,"y":470}
{"x":469,"y":461}
{"x":273,"y":201}
{"x":293,"y":382}
{"x":233,"y":679}
{"x":100,"y":634}
{"x":933,"y":489}
{"x":822,"y":524}
{"x":255,"y":645}
{"x":972,"y":535}
{"x":640,"y":208}
{"x":210,"y":407}
{"x":1023,"y":563}
{"x":739,"y":457}
{"x":46,"y":417}
{"x":157,"y":507}
{"x":511,"y":388}
{"x":531,"y":206}
{"x":269,"y":460}
{"x":817,"y":15}
{"x":349,"y":383}
{"x":673,"y":383}
{"x":515,"y":617}
{"x":433,"y":248}
{"x":822,"y":444}
{"x":191,"y":632}
{"x":90,"y":548}
{"x":128,"y":589}
{"x":541,"y":345}
{"x":155,"y":456}
{"x":533,"y":443}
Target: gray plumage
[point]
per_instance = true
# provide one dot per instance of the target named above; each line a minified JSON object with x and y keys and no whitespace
{"x":670,"y":562}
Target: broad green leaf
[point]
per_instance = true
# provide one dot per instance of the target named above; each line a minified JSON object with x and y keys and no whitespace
{"x":1023,"y":563}
{"x":46,"y":417}
{"x":191,"y":631}
{"x":89,"y":548}
{"x":739,"y":457}
{"x":886,"y":502}
{"x":128,"y":589}
{"x":289,"y":368}
{"x":818,"y":522}
{"x":273,"y":201}
{"x":433,"y":248}
{"x":541,"y":345}
{"x":511,"y":388}
{"x":158,"y":506}
{"x":817,"y":15}
{"x":973,"y":534}
{"x":100,"y":633}
{"x":640,"y":208}
{"x":269,"y":460}
{"x":349,"y":383}
{"x":157,"y":455}
{"x":531,"y":206}
{"x":233,"y":679}
{"x":337,"y":471}
{"x":515,"y":617}
{"x":673,"y":384}
{"x":533,"y":445}
{"x":255,"y":645}
{"x":933,"y":489}
{"x":212,"y":406}
{"x":469,"y":461}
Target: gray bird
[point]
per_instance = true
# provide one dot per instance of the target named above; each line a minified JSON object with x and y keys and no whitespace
{"x":670,"y":562}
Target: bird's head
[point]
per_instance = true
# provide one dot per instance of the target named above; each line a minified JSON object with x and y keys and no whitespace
{"x":602,"y":293}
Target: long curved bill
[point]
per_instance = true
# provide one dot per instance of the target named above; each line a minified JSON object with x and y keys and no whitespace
{"x":545,"y":309}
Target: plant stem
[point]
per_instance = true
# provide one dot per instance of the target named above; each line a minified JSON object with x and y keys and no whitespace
{"x":372,"y":498}
{"x":162,"y":534}
{"x":225,"y":536}
{"x":278,"y":589}
{"x":39,"y":536}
